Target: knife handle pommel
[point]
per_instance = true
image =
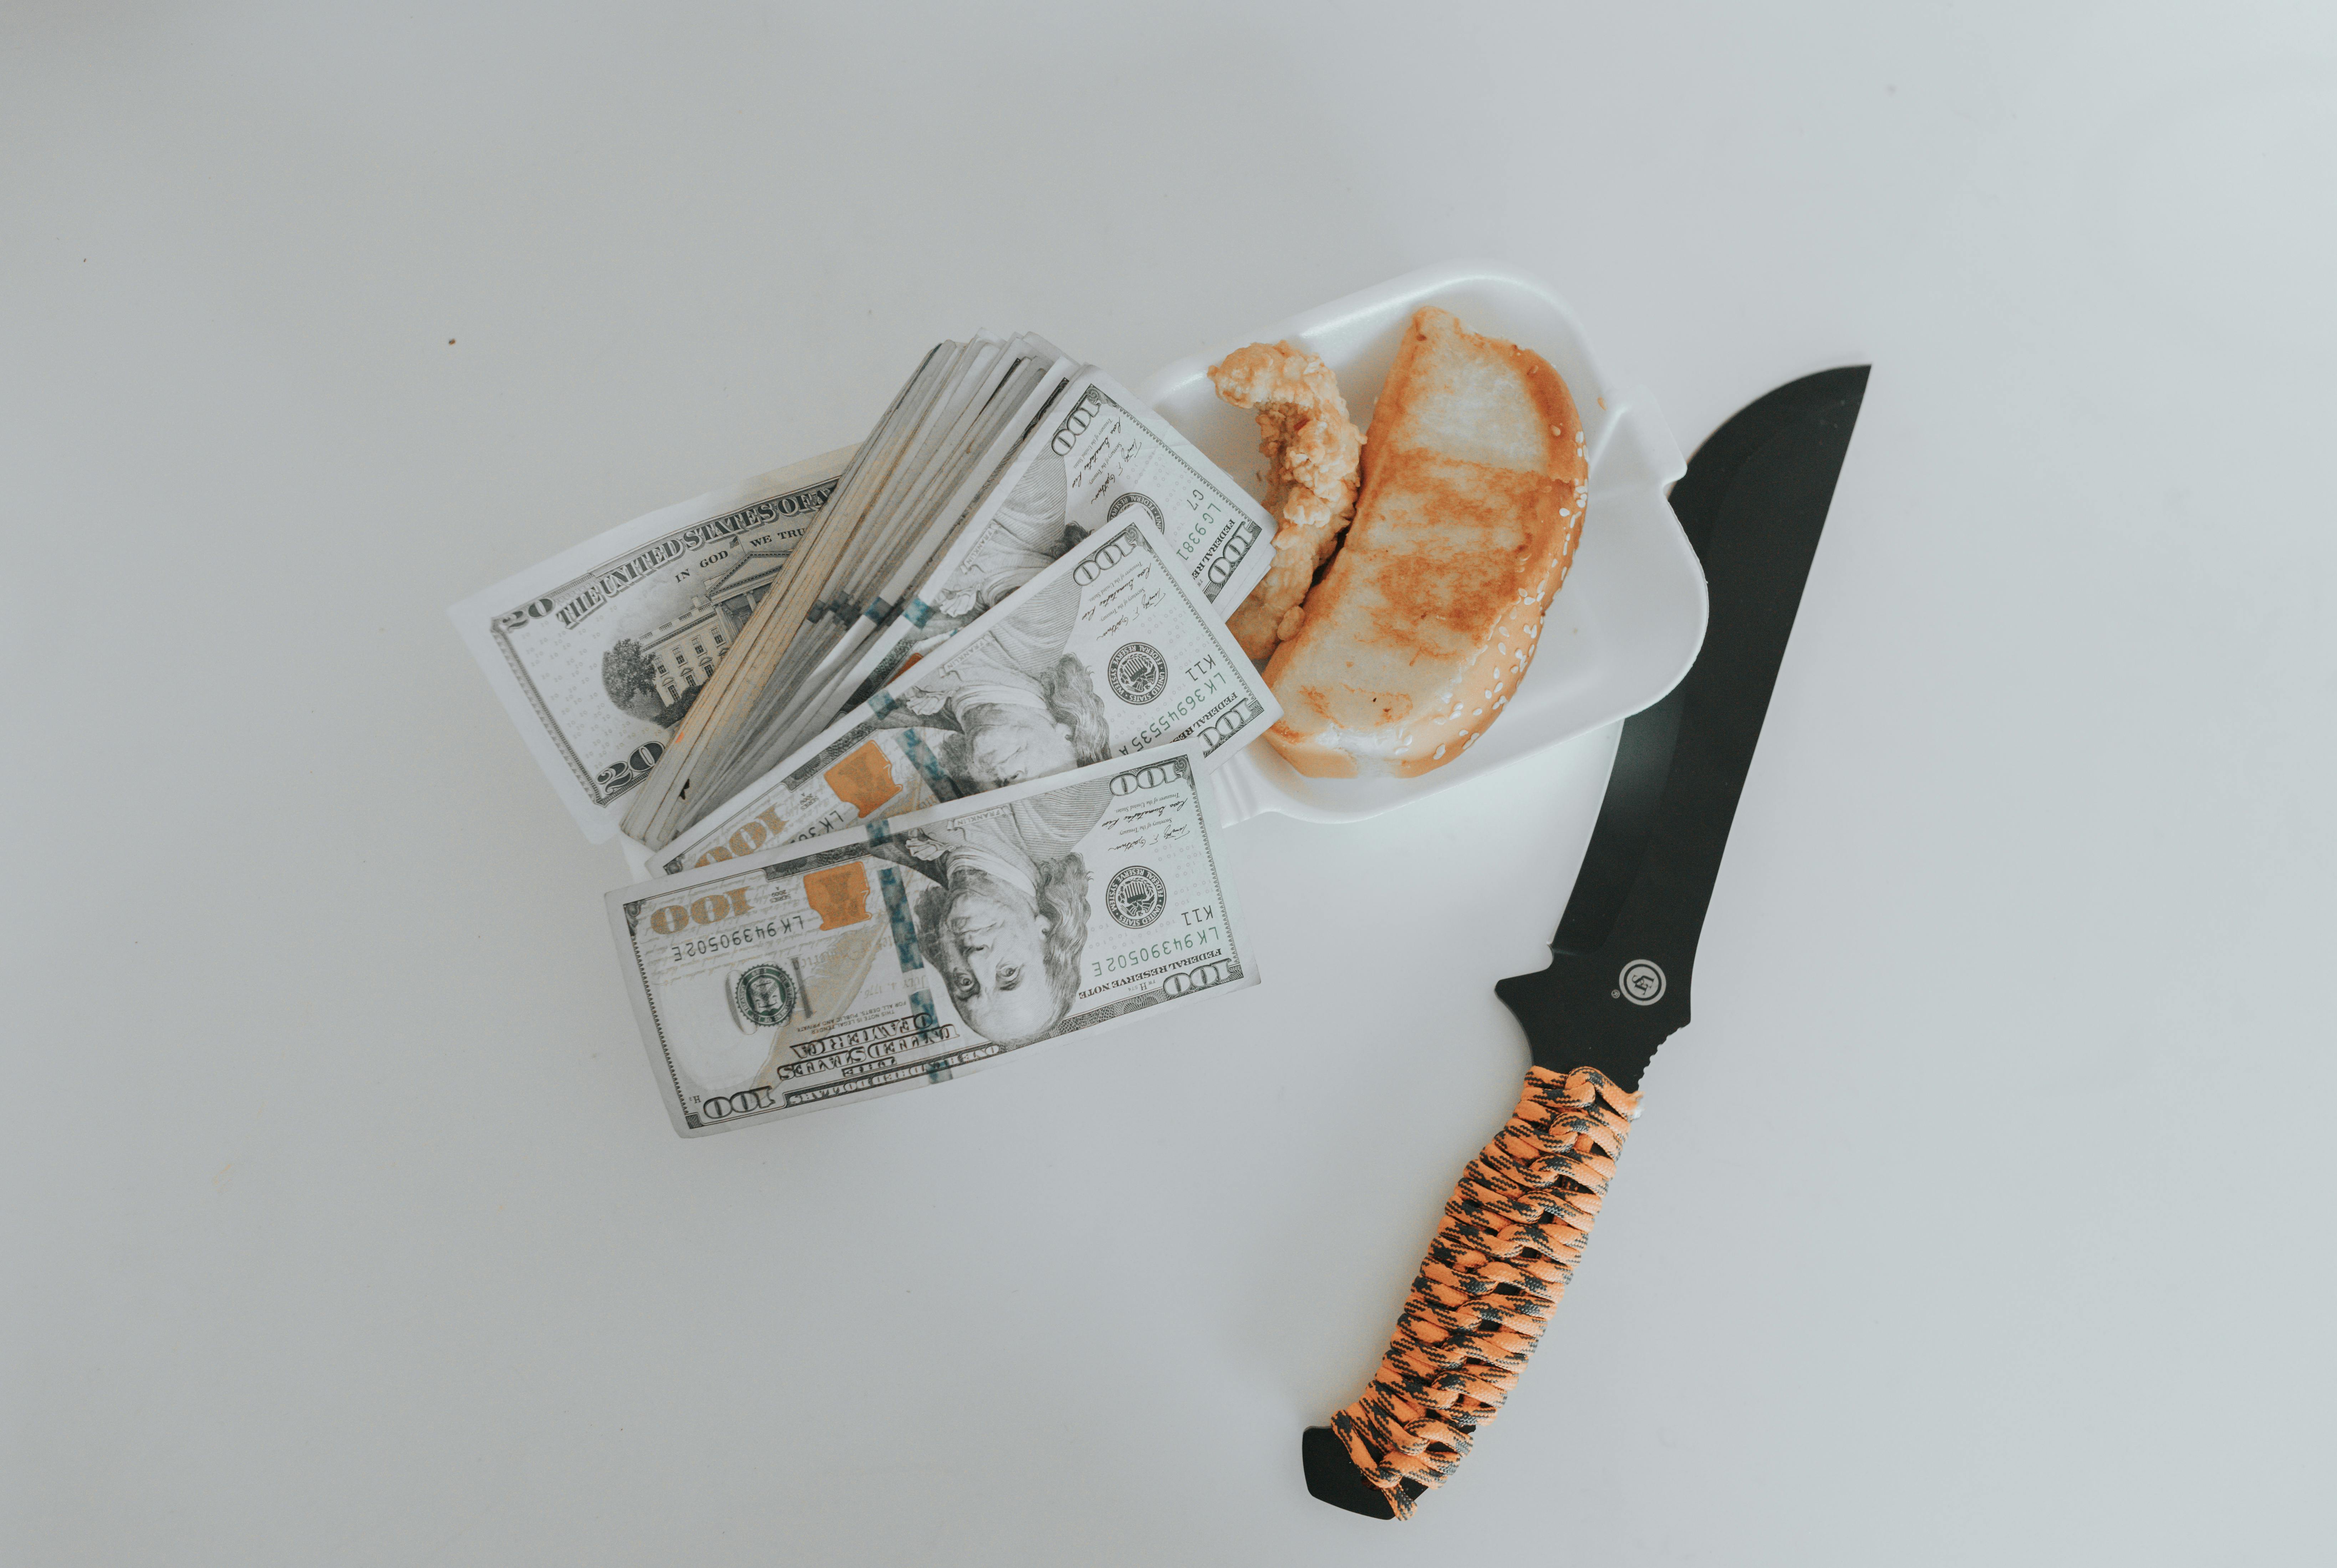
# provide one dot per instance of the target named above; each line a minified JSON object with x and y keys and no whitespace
{"x":1504,"y":1252}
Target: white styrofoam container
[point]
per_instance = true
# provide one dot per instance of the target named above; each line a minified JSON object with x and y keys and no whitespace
{"x":1619,"y":634}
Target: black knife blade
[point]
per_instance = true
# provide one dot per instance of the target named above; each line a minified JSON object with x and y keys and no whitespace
{"x":1753,"y":505}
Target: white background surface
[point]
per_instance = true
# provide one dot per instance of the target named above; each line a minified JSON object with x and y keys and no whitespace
{"x":1980,"y":1216}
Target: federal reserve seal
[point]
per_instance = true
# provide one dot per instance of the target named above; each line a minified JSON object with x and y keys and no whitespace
{"x":763,"y":996}
{"x":1127,"y":498}
{"x":1138,"y":672}
{"x":1136,"y":896}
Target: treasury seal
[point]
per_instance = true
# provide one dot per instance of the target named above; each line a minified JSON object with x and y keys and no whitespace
{"x":762,"y":996}
{"x":1136,"y":896}
{"x":1138,"y":672}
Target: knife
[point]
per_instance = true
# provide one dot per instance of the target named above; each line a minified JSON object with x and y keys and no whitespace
{"x":1753,"y":503}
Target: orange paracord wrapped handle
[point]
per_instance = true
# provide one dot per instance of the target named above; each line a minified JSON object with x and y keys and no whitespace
{"x":1504,"y":1252}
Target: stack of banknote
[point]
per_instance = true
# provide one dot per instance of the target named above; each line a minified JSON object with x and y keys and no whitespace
{"x":660,"y":667}
{"x":1015,"y":586}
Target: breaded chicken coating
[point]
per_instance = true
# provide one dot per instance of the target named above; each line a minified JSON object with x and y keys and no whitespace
{"x":1312,"y":451}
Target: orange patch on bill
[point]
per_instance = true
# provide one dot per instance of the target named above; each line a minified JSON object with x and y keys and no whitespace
{"x":864,"y":780}
{"x":838,"y":895}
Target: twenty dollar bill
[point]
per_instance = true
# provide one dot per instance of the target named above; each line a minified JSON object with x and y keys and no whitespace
{"x":597,"y":652}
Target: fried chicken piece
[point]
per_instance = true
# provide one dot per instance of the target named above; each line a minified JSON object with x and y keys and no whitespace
{"x":1312,"y":451}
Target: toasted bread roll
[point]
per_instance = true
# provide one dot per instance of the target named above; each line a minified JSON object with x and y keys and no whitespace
{"x":1413,"y":642}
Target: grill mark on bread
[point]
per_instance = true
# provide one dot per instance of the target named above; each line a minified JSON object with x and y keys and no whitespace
{"x":1439,"y":595}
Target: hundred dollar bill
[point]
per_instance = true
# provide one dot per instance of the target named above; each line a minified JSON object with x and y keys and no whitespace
{"x":910,"y":951}
{"x":1102,"y":458}
{"x":597,"y":652}
{"x":863,"y":777}
{"x":1108,"y":651}
{"x":801,"y":708}
{"x":712,"y":721}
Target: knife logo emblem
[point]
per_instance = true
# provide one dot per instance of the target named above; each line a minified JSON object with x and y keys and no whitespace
{"x":1642,"y":982}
